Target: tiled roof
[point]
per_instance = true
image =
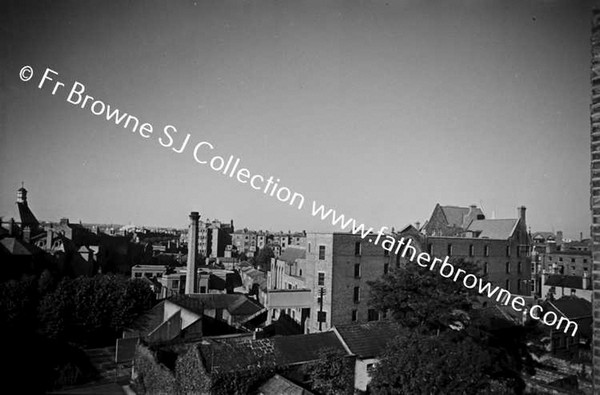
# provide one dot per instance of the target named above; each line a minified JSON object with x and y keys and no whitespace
{"x":222,"y":356}
{"x":368,"y":340}
{"x":292,"y":253}
{"x":561,"y":280}
{"x":494,"y":228}
{"x":573,"y":307}
{"x":226,"y":356}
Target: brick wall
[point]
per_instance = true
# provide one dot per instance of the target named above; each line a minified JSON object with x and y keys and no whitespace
{"x":595,"y":191}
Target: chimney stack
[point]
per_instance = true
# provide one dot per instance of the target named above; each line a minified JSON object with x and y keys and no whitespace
{"x":521,"y":213}
{"x":190,"y":281}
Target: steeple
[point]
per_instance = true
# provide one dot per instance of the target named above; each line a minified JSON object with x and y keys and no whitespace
{"x":22,"y":194}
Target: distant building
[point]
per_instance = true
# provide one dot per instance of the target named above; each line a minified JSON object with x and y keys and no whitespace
{"x":499,"y":247}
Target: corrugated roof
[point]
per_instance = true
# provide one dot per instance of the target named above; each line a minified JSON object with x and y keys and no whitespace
{"x":494,"y":228}
{"x":368,"y":340}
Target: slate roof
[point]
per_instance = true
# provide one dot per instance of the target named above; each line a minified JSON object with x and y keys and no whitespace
{"x":455,"y":215}
{"x":15,"y":246}
{"x":235,"y":304}
{"x":27,"y":217}
{"x":304,"y":348}
{"x":368,"y":340}
{"x":292,"y":253}
{"x":573,"y":307}
{"x":279,"y":385}
{"x":493,"y":228}
{"x":561,"y":280}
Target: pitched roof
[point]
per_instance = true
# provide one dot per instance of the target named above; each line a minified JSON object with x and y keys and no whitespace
{"x":235,"y":304}
{"x":15,"y":246}
{"x":305,"y":348}
{"x":279,"y":385}
{"x":455,"y":215}
{"x":27,"y":217}
{"x":222,"y":355}
{"x":368,"y":340}
{"x":561,"y":280}
{"x":493,"y":228}
{"x":573,"y":307}
{"x":292,"y":253}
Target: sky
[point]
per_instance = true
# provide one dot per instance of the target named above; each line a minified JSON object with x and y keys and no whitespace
{"x":377,"y":109}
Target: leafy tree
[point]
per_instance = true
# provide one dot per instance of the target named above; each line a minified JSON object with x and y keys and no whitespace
{"x":263,"y":259}
{"x":420,"y":363}
{"x":420,"y":298}
{"x":333,"y":373}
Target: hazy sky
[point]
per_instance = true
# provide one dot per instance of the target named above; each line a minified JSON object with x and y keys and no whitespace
{"x":379,"y":109}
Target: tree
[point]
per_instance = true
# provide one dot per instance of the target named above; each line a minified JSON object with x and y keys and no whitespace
{"x":419,"y":363}
{"x":420,"y":298}
{"x":263,"y":259}
{"x":332,"y":373}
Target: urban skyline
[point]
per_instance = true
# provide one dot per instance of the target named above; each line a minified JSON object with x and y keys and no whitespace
{"x":379,"y":111}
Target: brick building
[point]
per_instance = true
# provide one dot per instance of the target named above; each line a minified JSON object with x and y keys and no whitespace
{"x":499,"y":247}
{"x":328,"y":286}
{"x":595,"y":190}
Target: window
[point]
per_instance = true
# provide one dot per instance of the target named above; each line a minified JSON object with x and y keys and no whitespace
{"x":507,"y":285}
{"x":471,"y":250}
{"x":373,"y":315}
{"x":356,"y":294}
{"x":321,"y":253}
{"x":449,"y":249}
{"x":519,"y":267}
{"x":585,"y":261}
{"x":486,"y":250}
{"x":519,"y":285}
{"x":300,"y":272}
{"x":357,"y":248}
{"x":354,"y":315}
{"x":386,"y":252}
{"x":485,"y":268}
{"x":308,"y":247}
{"x":175,"y":284}
{"x":507,"y":267}
{"x":430,"y":248}
{"x":321,"y":278}
{"x":386,"y":268}
{"x":507,"y":250}
{"x":357,"y":270}
{"x":138,"y":274}
{"x":572,"y":260}
{"x":549,"y":257}
{"x":560,"y":259}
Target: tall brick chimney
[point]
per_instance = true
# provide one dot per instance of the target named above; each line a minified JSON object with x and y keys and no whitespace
{"x":190,"y":280}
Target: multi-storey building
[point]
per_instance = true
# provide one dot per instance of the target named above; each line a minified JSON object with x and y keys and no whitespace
{"x":213,"y":238}
{"x":328,"y":286}
{"x":499,"y":247}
